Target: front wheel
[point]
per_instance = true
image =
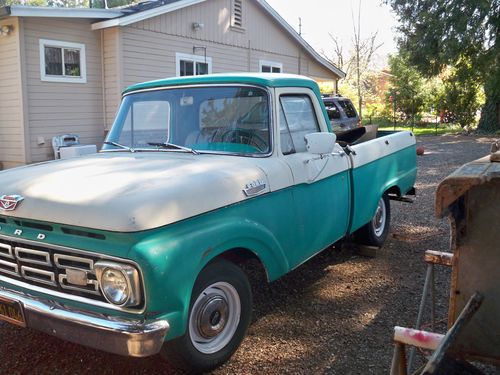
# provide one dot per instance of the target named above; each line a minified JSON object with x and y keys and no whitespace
{"x":219,"y":315}
{"x":375,"y":232}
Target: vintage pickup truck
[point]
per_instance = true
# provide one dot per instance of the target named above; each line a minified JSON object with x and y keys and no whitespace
{"x":136,"y":250}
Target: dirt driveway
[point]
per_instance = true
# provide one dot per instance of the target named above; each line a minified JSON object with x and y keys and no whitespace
{"x":333,"y":315}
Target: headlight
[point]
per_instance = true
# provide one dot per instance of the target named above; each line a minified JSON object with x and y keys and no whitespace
{"x":119,"y":283}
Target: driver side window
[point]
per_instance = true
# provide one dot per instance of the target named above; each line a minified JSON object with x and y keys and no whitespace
{"x":297,"y":118}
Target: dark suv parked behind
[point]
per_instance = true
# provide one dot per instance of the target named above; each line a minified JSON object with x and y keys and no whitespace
{"x":341,"y":112}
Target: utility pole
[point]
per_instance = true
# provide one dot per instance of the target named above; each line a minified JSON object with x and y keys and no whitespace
{"x":300,"y":26}
{"x":358,"y":72}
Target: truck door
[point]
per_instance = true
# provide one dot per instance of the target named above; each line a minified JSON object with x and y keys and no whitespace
{"x":321,"y":186}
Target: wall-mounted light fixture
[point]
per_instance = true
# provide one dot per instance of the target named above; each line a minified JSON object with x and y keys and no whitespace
{"x":197,"y":26}
{"x":6,"y":30}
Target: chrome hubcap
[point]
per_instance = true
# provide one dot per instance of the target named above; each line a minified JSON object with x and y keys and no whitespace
{"x":214,"y":317}
{"x":378,"y":220}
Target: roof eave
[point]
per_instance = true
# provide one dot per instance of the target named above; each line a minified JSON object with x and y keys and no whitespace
{"x":136,"y":17}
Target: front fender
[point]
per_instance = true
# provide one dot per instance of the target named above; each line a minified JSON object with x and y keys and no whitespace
{"x":172,"y":258}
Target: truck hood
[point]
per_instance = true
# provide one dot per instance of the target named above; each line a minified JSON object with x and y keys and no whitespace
{"x":128,"y":192}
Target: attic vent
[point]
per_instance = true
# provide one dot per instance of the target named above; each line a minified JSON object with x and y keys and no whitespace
{"x":237,"y":13}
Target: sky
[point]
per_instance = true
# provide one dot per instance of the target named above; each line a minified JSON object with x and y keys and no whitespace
{"x":320,"y":17}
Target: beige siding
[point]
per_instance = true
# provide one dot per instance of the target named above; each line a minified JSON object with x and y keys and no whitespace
{"x":266,"y":39}
{"x":57,"y":108}
{"x":11,"y":100}
{"x":112,"y":72}
{"x":148,"y":55}
{"x":317,"y":71}
{"x":263,"y":32}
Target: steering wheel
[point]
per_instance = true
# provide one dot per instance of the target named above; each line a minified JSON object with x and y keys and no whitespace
{"x":245,"y":137}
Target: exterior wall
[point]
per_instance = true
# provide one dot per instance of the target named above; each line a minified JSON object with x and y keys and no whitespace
{"x":149,"y":46}
{"x":112,"y":82}
{"x":11,"y":98}
{"x":56,"y":107}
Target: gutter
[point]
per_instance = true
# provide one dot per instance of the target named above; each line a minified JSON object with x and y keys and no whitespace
{"x":34,"y":11}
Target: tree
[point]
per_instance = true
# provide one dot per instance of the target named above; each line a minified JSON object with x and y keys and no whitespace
{"x":441,"y":33}
{"x":407,"y":89}
{"x":39,"y":3}
{"x":357,"y":66}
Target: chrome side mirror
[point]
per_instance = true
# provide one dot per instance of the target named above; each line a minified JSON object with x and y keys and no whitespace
{"x":320,"y":143}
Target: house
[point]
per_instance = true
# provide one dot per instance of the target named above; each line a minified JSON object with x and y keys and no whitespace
{"x":62,"y":70}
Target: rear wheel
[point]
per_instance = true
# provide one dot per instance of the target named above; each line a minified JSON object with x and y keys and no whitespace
{"x":375,"y":232}
{"x":220,"y":312}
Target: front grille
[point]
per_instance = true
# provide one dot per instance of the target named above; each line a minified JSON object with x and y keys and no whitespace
{"x":51,"y":268}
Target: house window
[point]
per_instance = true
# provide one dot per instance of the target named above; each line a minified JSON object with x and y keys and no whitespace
{"x":237,"y":13}
{"x":192,"y":65}
{"x":270,"y":67}
{"x":62,"y":61}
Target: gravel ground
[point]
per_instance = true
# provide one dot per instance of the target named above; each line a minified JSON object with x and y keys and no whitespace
{"x":333,"y":315}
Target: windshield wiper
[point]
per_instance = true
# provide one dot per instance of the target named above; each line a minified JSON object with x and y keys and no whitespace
{"x":174,"y":146}
{"x":119,"y":145}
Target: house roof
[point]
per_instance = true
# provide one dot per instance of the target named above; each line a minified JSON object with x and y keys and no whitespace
{"x":259,"y":79}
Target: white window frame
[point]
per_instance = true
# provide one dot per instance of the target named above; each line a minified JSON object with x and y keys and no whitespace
{"x":272,"y":64}
{"x":194,"y":58}
{"x":62,"y":78}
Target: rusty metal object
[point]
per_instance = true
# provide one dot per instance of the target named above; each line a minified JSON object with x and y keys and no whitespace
{"x":438,"y":257}
{"x":398,"y":365}
{"x":471,"y":198}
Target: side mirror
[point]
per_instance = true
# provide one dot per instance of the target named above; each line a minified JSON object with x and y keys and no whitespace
{"x":320,"y":143}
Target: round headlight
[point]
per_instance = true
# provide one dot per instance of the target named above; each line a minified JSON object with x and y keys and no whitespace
{"x":114,"y":286}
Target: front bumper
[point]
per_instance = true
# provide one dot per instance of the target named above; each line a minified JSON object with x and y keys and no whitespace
{"x":130,"y":337}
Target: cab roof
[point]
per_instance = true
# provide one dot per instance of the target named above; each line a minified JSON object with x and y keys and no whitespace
{"x":258,"y":79}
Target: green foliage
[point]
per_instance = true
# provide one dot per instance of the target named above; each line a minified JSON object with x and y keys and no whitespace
{"x":407,"y":89}
{"x":461,"y":94}
{"x":39,"y":3}
{"x":442,"y":33}
{"x":490,"y":115}
{"x":426,"y":130}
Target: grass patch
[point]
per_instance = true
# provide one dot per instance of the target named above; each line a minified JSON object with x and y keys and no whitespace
{"x":426,"y":130}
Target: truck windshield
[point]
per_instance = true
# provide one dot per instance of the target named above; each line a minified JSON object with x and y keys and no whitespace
{"x":213,"y":119}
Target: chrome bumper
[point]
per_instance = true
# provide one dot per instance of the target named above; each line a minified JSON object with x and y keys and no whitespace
{"x":130,"y":337}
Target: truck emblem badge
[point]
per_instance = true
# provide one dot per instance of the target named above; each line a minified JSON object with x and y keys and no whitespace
{"x":254,"y":188}
{"x":9,"y":202}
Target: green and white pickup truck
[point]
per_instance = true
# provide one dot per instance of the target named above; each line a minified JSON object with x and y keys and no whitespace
{"x":136,"y":250}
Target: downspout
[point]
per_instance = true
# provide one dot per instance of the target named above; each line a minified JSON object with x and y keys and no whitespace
{"x":103,"y":85}
{"x":300,"y":61}
{"x":249,"y":56}
{"x":24,"y":92}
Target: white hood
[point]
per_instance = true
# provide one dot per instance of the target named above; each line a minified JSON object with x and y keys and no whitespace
{"x":128,"y":192}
